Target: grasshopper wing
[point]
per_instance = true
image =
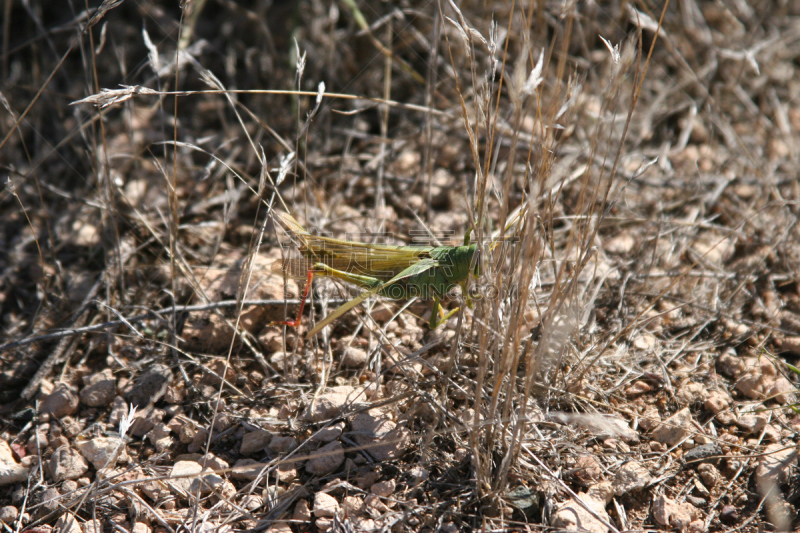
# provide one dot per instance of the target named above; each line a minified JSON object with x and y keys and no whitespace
{"x":413,"y":270}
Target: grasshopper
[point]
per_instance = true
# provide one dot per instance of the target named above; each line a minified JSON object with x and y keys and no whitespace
{"x":396,"y":272}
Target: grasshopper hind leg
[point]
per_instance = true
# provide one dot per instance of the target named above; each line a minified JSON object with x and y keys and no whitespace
{"x":296,"y":322}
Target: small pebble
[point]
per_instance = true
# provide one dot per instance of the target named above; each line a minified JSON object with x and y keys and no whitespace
{"x":696,"y":501}
{"x":729,"y":515}
{"x":702,"y":454}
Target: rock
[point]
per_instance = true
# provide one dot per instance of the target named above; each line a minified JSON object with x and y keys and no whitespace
{"x":325,"y":505}
{"x":150,"y":386}
{"x":99,"y":389}
{"x":10,"y":470}
{"x":442,"y":187}
{"x":67,"y":523}
{"x":572,"y":515}
{"x":8,"y":515}
{"x":675,"y":428}
{"x":187,"y":469}
{"x":383,"y":489}
{"x":751,"y":424}
{"x":354,"y":357}
{"x":782,"y":391}
{"x":707,"y":453}
{"x":637,"y":388}
{"x":282,"y":444}
{"x":375,"y":504}
{"x":141,"y":527}
{"x":691,"y":393}
{"x":280,"y":527}
{"x":301,"y":511}
{"x":631,"y":476}
{"x":92,"y":526}
{"x":649,"y":419}
{"x":189,"y":477}
{"x":732,"y":466}
{"x":418,"y":475}
{"x":790,"y":344}
{"x":213,"y":462}
{"x":672,"y":514}
{"x":372,"y":428}
{"x":773,"y":465}
{"x":281,"y":360}
{"x":255,"y":441}
{"x":760,"y":378}
{"x":251,"y":502}
{"x":199,"y":441}
{"x":326,"y":460}
{"x":332,"y":403}
{"x":286,"y":472}
{"x":323,"y":524}
{"x":717,"y":401}
{"x":709,"y":475}
{"x":645,"y":342}
{"x":61,"y":402}
{"x":329,"y":433}
{"x":587,"y":470}
{"x":160,"y":437}
{"x":726,"y":418}
{"x":118,"y":410}
{"x":697,"y":526}
{"x":50,"y":500}
{"x":66,"y":463}
{"x":102,"y":452}
{"x":731,"y":365}
{"x":696,"y":500}
{"x":70,"y":426}
{"x":353,"y":506}
{"x":244,"y":471}
{"x":622,"y":243}
{"x":729,"y":515}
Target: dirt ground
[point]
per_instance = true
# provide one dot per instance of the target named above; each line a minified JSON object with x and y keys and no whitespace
{"x":619,"y":356}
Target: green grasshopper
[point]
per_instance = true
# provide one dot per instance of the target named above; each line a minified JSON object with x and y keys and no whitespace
{"x":396,"y":272}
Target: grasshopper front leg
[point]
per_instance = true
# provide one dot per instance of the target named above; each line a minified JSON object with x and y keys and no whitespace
{"x":438,"y":310}
{"x":438,"y":316}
